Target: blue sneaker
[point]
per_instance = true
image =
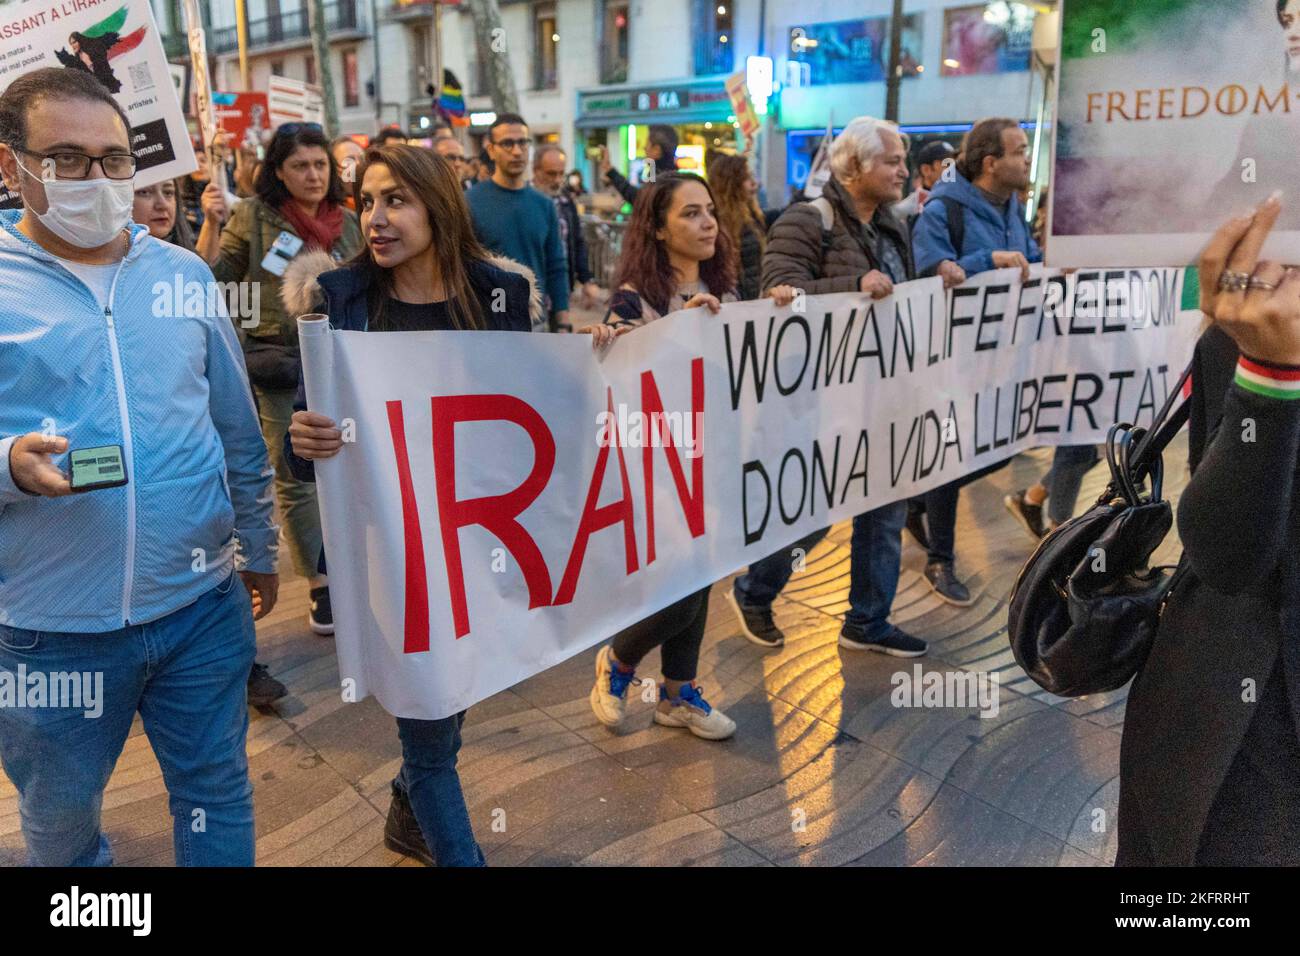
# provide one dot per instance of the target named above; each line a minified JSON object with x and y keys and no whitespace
{"x":609,"y":695}
{"x":692,"y":711}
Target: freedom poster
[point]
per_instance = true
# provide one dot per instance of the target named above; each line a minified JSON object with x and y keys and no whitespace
{"x":116,"y":41}
{"x":1155,"y":147}
{"x":503,"y":501}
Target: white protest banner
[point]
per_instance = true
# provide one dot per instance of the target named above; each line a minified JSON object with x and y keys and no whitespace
{"x":1154,"y":148}
{"x":118,"y":42}
{"x":503,"y":501}
{"x":293,"y":101}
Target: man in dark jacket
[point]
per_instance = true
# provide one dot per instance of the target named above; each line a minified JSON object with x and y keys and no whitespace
{"x":548,"y":179}
{"x":660,"y":149}
{"x":846,"y":241}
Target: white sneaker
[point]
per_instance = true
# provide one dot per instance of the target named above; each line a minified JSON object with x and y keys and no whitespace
{"x":609,"y":695}
{"x":692,"y":711}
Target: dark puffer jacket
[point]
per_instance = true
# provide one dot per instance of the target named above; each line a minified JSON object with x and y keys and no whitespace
{"x":749,"y":283}
{"x":797,"y":254}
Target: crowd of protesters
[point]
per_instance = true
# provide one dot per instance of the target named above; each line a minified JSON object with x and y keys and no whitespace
{"x":396,"y":237}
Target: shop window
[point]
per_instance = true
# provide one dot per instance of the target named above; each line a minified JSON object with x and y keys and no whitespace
{"x":274,"y":22}
{"x":546,"y":46}
{"x":422,"y":75}
{"x":712,"y":21}
{"x":851,"y":51}
{"x":479,"y":77}
{"x":614,"y":41}
{"x":351,"y":82}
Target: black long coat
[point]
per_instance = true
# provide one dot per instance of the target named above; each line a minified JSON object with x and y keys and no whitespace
{"x":1235,"y":607}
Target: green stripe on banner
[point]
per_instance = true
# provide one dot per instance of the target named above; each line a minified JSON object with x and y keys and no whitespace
{"x":111,"y":24}
{"x":1290,"y":395}
{"x":1191,"y":289}
{"x":1127,"y":24}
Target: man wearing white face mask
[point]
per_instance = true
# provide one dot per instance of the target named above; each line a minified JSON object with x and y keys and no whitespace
{"x":133,"y":484}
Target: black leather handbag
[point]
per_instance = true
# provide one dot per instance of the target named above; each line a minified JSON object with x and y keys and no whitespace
{"x":1085,"y":607}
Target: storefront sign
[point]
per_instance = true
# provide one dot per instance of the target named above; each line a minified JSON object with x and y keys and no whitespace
{"x":679,"y":103}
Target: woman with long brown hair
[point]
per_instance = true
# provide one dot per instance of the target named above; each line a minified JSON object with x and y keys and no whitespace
{"x":739,"y":215}
{"x":674,"y":257}
{"x":421,"y":269}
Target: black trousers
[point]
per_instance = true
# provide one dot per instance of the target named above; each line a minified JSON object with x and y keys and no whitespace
{"x":678,"y":630}
{"x":939,"y":505}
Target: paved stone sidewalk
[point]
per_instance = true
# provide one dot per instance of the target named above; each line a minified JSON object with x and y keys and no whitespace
{"x":823,"y":770}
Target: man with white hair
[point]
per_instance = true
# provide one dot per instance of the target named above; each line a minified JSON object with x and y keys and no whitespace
{"x":846,"y":241}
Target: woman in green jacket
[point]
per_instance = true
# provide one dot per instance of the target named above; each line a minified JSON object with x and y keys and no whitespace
{"x":298,"y":207}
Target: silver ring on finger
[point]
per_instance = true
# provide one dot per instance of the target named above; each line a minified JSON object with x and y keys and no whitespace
{"x":1257,"y":283}
{"x":1231,"y":281}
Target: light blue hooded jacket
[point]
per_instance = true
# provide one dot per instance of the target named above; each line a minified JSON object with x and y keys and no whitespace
{"x":167,"y":386}
{"x":988,"y":229}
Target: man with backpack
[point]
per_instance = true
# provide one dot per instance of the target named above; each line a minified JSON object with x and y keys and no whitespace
{"x":846,"y":241}
{"x":983,"y":186}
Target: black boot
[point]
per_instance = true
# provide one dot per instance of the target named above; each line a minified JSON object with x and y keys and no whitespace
{"x":402,"y":831}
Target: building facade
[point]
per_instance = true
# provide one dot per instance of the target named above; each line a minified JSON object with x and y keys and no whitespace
{"x":598,"y":72}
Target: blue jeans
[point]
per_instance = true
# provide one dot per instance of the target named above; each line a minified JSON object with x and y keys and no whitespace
{"x":1069,"y":464}
{"x":428,"y":778}
{"x":187,"y":675}
{"x":874,"y":556}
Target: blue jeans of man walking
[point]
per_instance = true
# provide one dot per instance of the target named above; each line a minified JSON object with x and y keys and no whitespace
{"x":429,"y":779}
{"x":874,"y":555}
{"x":186,"y":674}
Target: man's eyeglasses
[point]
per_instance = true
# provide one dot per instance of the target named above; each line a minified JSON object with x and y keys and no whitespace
{"x":70,"y":165}
{"x":513,"y":144}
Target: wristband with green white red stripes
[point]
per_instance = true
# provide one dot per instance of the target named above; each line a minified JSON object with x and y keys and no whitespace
{"x":1266,"y":378}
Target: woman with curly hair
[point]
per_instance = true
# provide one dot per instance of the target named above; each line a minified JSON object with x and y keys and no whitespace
{"x":742,"y":219}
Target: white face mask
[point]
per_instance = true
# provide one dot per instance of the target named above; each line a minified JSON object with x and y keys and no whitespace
{"x":88,"y":213}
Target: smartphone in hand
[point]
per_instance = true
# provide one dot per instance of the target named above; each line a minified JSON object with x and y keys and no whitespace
{"x":93,"y":468}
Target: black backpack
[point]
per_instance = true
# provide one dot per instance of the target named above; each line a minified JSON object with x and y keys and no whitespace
{"x":956,"y":230}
